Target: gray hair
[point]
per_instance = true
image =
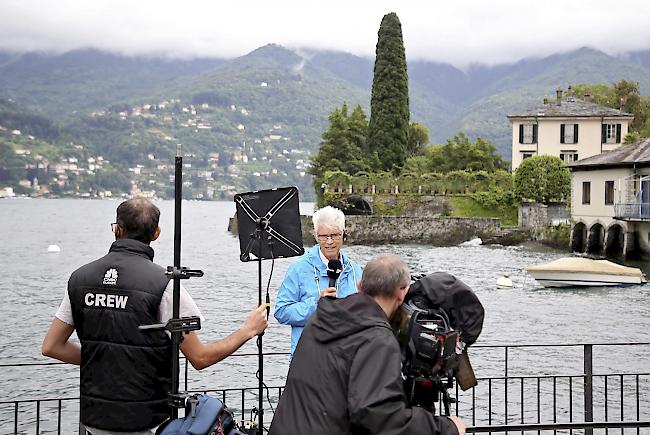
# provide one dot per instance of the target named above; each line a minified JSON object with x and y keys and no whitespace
{"x":384,"y":274}
{"x":329,"y":216}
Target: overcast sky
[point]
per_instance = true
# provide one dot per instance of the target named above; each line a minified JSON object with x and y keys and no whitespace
{"x":455,"y":31}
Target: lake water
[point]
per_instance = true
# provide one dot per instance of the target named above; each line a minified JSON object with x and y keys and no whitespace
{"x":35,"y":282}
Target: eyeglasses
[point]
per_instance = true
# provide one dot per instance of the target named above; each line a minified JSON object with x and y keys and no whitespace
{"x":334,"y":236}
{"x":114,"y":227}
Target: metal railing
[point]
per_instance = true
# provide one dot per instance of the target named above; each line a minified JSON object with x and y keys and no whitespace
{"x":588,"y":427}
{"x":583,"y":402}
{"x":639,"y":210}
{"x":572,"y":401}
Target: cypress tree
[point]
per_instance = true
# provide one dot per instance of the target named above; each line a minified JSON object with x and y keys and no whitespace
{"x":342,"y":146}
{"x":389,"y":105}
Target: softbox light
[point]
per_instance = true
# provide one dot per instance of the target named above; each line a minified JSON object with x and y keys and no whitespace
{"x":268,"y":223}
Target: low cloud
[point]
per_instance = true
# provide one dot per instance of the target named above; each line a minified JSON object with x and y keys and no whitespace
{"x":460,"y":32}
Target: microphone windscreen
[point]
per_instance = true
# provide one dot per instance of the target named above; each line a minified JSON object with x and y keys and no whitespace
{"x":334,"y":268}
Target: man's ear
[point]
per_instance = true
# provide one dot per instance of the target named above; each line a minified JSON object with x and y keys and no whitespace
{"x":156,"y":234}
{"x":401,"y":294}
{"x":359,"y":286}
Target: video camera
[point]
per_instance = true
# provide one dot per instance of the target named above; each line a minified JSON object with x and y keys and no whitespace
{"x":440,"y":317}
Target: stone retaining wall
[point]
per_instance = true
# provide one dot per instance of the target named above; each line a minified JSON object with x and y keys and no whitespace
{"x":537,"y":215}
{"x":434,"y":231}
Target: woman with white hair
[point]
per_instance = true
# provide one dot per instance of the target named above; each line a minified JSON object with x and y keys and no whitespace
{"x":307,"y":280}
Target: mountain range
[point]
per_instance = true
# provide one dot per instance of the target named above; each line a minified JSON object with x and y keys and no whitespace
{"x":274,"y":91}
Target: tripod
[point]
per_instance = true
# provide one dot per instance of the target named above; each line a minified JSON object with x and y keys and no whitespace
{"x":264,"y":218}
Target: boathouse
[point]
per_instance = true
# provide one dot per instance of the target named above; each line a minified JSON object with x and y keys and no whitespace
{"x":610,"y":202}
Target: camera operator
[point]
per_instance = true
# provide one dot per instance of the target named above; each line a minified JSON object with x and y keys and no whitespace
{"x":345,"y":376}
{"x":126,"y":374}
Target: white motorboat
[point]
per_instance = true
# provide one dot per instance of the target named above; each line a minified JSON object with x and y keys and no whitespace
{"x":577,"y":271}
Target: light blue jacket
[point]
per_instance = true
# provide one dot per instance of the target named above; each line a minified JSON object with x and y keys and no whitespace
{"x":301,"y":287}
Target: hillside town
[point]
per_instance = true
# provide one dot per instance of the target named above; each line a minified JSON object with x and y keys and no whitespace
{"x":214,"y":175}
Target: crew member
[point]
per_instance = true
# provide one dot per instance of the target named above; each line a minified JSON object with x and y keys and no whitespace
{"x":345,"y":376}
{"x":307,"y":281}
{"x":126,"y":373}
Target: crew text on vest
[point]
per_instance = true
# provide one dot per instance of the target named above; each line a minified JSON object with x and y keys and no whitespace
{"x":104,"y":300}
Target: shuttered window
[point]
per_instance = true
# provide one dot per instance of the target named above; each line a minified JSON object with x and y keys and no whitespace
{"x":609,"y":192}
{"x":568,"y":157}
{"x":586,"y":192}
{"x":568,"y":133}
{"x":527,"y":133}
{"x":611,"y":133}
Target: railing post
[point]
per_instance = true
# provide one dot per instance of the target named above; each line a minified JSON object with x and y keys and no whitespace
{"x":588,"y":386}
{"x":38,"y":416}
{"x":186,"y":388}
{"x":505,"y":381}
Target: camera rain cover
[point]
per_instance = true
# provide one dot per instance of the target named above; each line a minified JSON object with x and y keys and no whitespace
{"x":457,"y":299}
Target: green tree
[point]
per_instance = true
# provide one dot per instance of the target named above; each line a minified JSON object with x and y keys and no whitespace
{"x":542,"y":179}
{"x":418,"y":139}
{"x":631,"y":137}
{"x":12,"y":168}
{"x":357,"y":137}
{"x":342,"y":148}
{"x":389,"y":104}
{"x":600,"y":93}
{"x":460,"y":154}
{"x":641,"y":121}
{"x":417,"y":165}
{"x":107,"y":179}
{"x":623,"y":95}
{"x":645,"y":129}
{"x":629,"y":98}
{"x":225,"y":159}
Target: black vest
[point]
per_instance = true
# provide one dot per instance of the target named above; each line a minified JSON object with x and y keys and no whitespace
{"x":125,"y":373}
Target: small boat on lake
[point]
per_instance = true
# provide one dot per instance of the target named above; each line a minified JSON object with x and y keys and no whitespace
{"x":577,"y":271}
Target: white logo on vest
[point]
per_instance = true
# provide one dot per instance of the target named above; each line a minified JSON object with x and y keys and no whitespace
{"x":110,"y":277}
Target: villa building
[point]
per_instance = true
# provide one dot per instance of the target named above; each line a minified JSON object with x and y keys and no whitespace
{"x":569,"y":128}
{"x":610,"y":201}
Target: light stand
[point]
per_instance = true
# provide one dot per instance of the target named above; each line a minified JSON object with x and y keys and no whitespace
{"x":177,"y":325}
{"x":263,"y":218}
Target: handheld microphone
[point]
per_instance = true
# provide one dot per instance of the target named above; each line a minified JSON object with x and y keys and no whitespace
{"x":334,"y":269}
